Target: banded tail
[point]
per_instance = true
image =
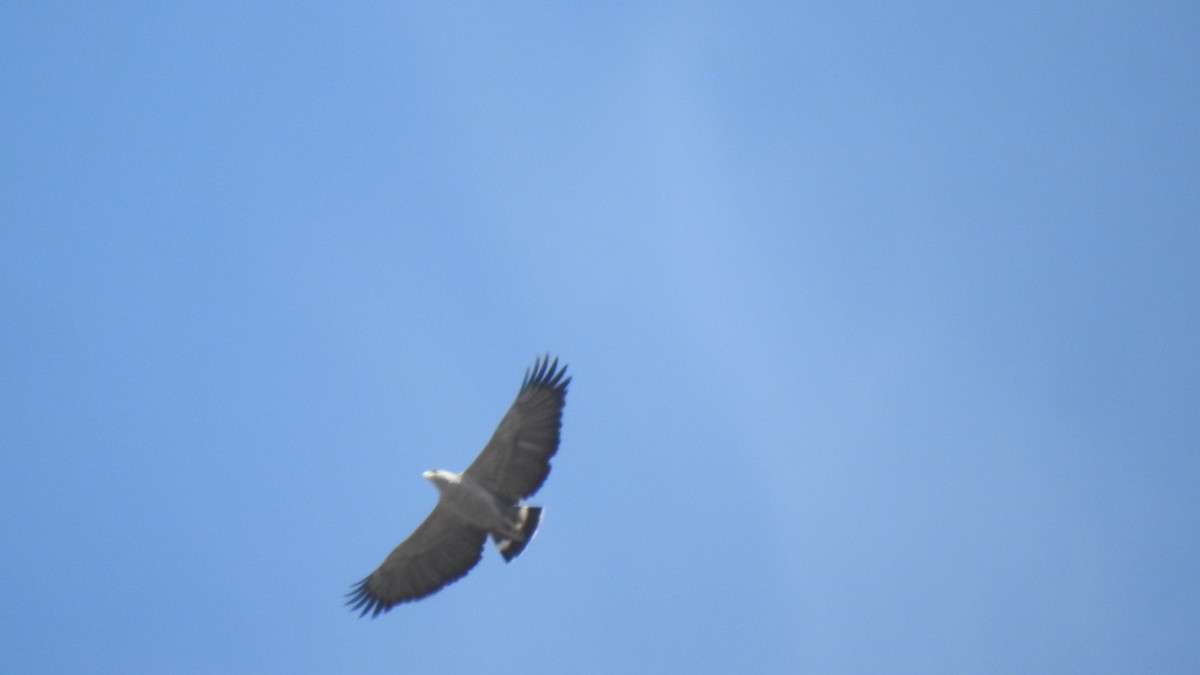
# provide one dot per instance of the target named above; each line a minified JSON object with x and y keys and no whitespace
{"x":527,"y":519}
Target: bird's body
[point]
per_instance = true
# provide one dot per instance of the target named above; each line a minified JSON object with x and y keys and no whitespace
{"x":469,"y":501}
{"x":510,"y":526}
{"x":484,"y":499}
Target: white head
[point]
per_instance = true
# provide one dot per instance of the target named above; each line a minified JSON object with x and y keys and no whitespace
{"x":441,"y":477}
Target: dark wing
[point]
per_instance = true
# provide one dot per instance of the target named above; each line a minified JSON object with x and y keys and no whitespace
{"x":441,"y":550}
{"x":516,"y":461}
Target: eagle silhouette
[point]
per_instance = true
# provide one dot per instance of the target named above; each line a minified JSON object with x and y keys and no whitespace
{"x":484,"y":499}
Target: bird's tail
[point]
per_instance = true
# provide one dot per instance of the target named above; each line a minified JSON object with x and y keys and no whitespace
{"x":526,"y":519}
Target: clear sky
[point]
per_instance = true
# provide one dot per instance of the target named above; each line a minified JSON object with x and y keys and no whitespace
{"x":884,"y":323}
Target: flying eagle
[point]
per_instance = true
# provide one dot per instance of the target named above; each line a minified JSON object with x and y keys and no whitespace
{"x":484,"y":499}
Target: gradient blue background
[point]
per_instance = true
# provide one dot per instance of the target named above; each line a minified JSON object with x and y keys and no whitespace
{"x":884,"y":323}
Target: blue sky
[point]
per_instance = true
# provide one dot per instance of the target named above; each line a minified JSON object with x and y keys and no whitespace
{"x":883,"y":322}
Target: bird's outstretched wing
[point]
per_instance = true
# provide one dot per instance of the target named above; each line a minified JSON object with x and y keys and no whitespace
{"x":516,"y":461}
{"x":440,"y":551}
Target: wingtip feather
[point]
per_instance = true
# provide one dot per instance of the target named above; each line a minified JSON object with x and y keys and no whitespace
{"x":546,"y":372}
